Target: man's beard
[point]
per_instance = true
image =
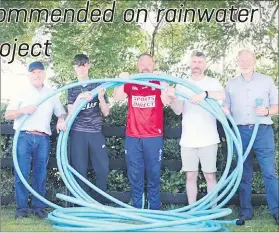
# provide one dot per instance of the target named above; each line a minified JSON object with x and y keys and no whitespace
{"x":196,"y":71}
{"x":145,"y":71}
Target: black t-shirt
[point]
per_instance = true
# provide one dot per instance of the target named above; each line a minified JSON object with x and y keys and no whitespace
{"x":90,"y":117}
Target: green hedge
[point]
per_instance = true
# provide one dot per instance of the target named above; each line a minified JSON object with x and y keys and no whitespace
{"x":172,"y":182}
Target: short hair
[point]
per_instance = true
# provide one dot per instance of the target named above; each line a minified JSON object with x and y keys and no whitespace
{"x":198,"y":54}
{"x":144,"y":54}
{"x":81,"y":59}
{"x":246,"y":51}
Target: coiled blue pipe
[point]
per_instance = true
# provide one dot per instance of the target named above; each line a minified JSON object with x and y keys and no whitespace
{"x":94,"y":216}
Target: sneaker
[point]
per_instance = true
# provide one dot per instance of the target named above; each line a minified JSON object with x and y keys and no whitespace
{"x":21,"y":214}
{"x":276,"y":218}
{"x":40,"y":213}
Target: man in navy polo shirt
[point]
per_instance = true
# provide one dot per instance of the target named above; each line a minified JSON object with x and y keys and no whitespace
{"x":86,"y":138}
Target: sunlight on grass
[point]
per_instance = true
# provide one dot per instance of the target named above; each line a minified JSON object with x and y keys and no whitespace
{"x":262,"y":221}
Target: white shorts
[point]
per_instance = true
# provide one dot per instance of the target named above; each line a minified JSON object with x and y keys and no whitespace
{"x":207,"y":156}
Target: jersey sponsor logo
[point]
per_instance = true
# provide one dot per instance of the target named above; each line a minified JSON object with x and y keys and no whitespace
{"x":160,"y":155}
{"x":135,"y":88}
{"x":143,"y":101}
{"x":152,"y":88}
{"x":90,"y":105}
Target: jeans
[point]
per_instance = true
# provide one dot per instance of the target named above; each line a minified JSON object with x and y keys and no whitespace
{"x":32,"y":150}
{"x":264,"y":147}
{"x":144,"y":155}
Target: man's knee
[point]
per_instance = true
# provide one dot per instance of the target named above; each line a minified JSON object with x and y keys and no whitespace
{"x":269,"y":174}
{"x":210,"y":177}
{"x":192,"y":176}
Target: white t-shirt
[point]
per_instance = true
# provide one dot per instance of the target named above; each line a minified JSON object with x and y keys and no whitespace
{"x":199,"y":127}
{"x":40,"y":119}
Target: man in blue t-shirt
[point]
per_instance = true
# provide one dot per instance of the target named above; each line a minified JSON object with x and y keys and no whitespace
{"x":86,"y":138}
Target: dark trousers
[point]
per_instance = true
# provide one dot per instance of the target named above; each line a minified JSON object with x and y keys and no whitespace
{"x":33,"y":153}
{"x":144,"y":155}
{"x":264,"y":147}
{"x":84,"y":145}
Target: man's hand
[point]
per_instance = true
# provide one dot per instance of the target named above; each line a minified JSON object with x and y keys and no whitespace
{"x":30,"y":109}
{"x":86,"y":95}
{"x":226,"y":111}
{"x":124,"y":75}
{"x":156,"y":72}
{"x":197,"y":98}
{"x":171,"y":94}
{"x":261,"y":111}
{"x":101,"y":94}
{"x":61,"y":125}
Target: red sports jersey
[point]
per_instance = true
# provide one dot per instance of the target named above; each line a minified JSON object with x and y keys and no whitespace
{"x":145,"y":111}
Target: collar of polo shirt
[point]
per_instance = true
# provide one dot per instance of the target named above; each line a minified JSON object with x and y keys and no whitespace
{"x":252,"y":78}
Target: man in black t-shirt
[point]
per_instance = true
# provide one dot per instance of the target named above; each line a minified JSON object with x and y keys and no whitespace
{"x":86,"y":138}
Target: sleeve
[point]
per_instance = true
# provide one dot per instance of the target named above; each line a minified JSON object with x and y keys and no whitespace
{"x":127,"y":88}
{"x":273,"y":93}
{"x":58,"y":107}
{"x":179,"y":88}
{"x":219,"y":87}
{"x":71,"y":98}
{"x":227,"y":101}
{"x":15,"y":103}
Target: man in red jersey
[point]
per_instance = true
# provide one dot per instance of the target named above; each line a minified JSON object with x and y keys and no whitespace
{"x":144,"y":133}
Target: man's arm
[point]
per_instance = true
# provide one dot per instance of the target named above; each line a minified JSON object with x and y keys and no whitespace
{"x":70,"y":108}
{"x":73,"y":99}
{"x":227,"y":101}
{"x":177,"y":106}
{"x":217,"y":95}
{"x":14,"y":109}
{"x":103,"y":103}
{"x":119,"y":92}
{"x":264,"y":111}
{"x":273,"y":110}
{"x":59,"y":111}
{"x":168,"y":95}
{"x":273,"y":99}
{"x":13,"y":114}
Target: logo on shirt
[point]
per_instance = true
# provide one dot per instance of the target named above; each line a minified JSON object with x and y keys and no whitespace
{"x":90,"y":105}
{"x":135,"y":88}
{"x":160,"y":155}
{"x":144,"y":87}
{"x":143,"y":101}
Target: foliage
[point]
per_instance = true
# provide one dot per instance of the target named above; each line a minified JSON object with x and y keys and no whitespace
{"x":113,"y":47}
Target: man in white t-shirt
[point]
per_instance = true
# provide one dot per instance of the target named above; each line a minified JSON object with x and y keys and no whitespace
{"x":200,"y":138}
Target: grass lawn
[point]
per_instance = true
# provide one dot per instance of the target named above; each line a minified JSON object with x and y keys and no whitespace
{"x":262,"y":221}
